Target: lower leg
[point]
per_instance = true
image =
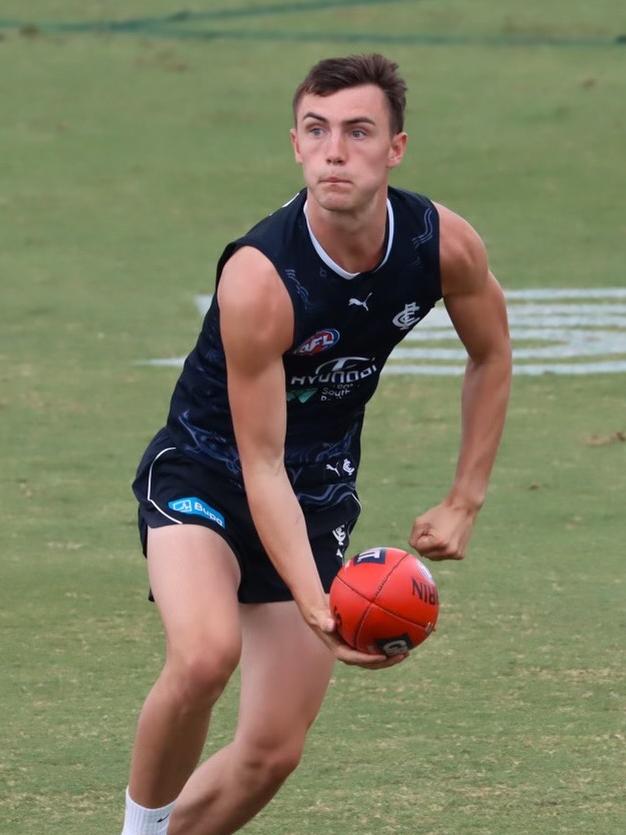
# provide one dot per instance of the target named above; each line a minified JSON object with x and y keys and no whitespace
{"x":168,"y":743}
{"x":285,"y":671}
{"x":230,"y":788}
{"x":194,"y":577}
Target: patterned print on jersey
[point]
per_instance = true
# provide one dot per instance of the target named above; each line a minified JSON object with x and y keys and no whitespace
{"x":329,"y":379}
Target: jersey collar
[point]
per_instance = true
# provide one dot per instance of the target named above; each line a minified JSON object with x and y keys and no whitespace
{"x":333,"y":264}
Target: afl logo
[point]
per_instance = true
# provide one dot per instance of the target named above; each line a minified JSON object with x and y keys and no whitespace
{"x":320,"y":341}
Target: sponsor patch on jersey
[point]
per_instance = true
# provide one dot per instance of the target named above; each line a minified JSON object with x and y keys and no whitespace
{"x":320,"y":341}
{"x":338,"y":372}
{"x":301,"y":395}
{"x":193,"y":506}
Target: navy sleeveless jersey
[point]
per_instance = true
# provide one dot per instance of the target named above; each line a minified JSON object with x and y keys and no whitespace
{"x":345,"y":328}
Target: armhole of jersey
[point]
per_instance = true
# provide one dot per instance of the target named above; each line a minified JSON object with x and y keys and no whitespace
{"x":436,"y":256}
{"x":431,"y":251}
{"x":430,"y":242}
{"x":228,"y":254}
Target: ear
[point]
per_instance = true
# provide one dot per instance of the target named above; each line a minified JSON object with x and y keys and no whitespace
{"x":293,"y":135}
{"x":397,"y":149}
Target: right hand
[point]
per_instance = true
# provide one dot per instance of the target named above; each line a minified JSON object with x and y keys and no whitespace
{"x":323,"y":624}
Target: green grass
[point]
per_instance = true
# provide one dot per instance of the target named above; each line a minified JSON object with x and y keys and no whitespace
{"x":128,"y":161}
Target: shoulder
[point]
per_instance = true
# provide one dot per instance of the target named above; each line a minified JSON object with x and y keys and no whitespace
{"x":462,"y":254}
{"x":274,"y":235}
{"x":419,"y":209}
{"x":272,"y":232}
{"x":248,"y":274}
{"x":253,"y":301}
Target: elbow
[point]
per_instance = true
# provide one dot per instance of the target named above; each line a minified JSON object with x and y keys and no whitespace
{"x":500,"y":360}
{"x":495,"y":370}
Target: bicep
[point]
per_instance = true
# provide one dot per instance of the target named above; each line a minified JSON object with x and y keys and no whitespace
{"x":258,"y":409}
{"x":479,"y":318}
{"x":256,"y":323}
{"x":473,"y":298}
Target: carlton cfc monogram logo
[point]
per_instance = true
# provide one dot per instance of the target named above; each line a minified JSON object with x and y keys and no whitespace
{"x":408,"y":317}
{"x":320,"y":341}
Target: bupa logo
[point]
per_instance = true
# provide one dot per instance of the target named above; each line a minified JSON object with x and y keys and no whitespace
{"x":377,"y":555}
{"x":193,"y":506}
{"x":320,"y":341}
{"x":408,"y":317}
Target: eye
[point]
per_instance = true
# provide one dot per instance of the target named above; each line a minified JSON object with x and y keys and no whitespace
{"x":358,"y":133}
{"x":315,"y":130}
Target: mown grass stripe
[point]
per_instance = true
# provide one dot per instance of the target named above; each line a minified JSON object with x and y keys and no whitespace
{"x":372,"y":38}
{"x":164,"y":26}
{"x":139,"y":24}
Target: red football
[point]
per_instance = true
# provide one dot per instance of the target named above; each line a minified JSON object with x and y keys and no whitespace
{"x":384,"y":600}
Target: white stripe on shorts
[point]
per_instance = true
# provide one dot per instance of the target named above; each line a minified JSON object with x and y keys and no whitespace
{"x":150,"y":499}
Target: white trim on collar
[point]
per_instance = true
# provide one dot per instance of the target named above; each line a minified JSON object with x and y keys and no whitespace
{"x":333,"y":264}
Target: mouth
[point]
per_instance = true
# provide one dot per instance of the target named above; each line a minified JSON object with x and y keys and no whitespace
{"x":335,"y":181}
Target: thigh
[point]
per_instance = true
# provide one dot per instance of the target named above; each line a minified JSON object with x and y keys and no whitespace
{"x":285,"y":671}
{"x":194,"y":577}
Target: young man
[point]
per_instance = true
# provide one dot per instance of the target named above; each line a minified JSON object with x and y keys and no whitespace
{"x":247,"y":496}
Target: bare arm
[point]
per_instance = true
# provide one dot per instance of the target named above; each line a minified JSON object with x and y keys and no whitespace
{"x":475,"y":303}
{"x":256,"y":321}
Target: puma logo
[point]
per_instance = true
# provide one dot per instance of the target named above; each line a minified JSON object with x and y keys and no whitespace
{"x":360,"y":303}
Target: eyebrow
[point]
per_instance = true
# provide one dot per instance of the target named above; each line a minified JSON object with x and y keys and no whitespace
{"x":357,"y":120}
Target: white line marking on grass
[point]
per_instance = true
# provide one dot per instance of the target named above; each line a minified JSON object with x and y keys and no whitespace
{"x":571,"y":331}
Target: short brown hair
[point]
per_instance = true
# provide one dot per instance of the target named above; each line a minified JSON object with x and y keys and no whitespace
{"x":333,"y":74}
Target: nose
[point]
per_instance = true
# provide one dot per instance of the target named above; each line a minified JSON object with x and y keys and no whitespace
{"x":335,"y":149}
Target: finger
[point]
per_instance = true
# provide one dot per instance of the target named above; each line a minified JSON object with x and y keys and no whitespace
{"x":430,"y":544}
{"x":420,"y":529}
{"x":353,"y":656}
{"x":323,"y":621}
{"x":375,"y":662}
{"x":428,"y":533}
{"x":388,"y":662}
{"x":442,"y":554}
{"x":328,"y":625}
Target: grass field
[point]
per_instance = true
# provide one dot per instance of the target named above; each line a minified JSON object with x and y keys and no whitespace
{"x":129,"y":157}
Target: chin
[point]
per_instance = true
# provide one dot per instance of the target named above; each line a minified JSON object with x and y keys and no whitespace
{"x":333,"y":201}
{"x":336,"y":204}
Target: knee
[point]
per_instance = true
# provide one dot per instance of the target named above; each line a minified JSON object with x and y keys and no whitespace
{"x":198,"y":678}
{"x":283,"y":762}
{"x":270,"y":762}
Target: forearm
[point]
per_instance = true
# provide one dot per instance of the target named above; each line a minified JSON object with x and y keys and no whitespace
{"x":281,"y":527}
{"x":484,"y":403}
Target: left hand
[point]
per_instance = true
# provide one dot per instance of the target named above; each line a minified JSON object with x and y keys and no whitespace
{"x":442,"y":533}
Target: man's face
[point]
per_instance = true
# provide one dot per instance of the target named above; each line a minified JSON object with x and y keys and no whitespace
{"x":345,"y":146}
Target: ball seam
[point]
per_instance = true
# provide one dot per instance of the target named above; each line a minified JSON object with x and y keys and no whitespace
{"x":378,"y":591}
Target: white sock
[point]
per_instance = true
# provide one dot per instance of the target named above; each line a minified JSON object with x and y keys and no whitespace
{"x":141,"y":821}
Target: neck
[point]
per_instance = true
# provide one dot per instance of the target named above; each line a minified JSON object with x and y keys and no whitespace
{"x":355,"y":240}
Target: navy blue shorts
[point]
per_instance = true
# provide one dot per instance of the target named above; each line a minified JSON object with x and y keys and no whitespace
{"x":175,"y":489}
